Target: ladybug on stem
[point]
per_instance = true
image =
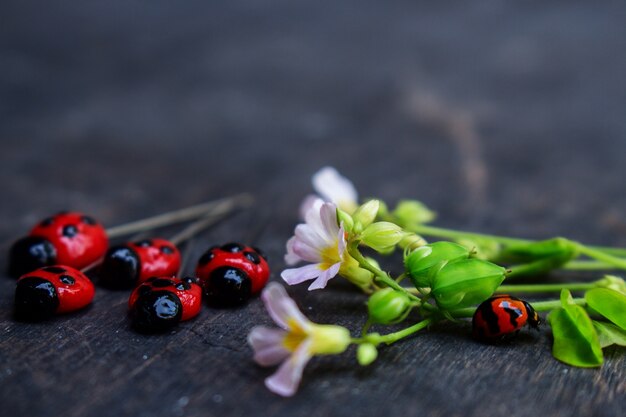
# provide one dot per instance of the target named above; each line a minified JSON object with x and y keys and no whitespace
{"x":52,"y":290}
{"x":160,"y":303}
{"x":502,"y":315}
{"x":230,"y":274}
{"x":124,"y":266}
{"x":67,"y":238}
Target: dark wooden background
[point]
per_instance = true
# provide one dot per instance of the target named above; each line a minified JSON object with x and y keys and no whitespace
{"x":504,"y":117}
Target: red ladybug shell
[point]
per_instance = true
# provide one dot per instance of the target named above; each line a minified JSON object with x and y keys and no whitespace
{"x":78,"y":239}
{"x":246,"y":258}
{"x":74,"y":290}
{"x":187,"y":290}
{"x":157,"y":257}
{"x":501,"y":315}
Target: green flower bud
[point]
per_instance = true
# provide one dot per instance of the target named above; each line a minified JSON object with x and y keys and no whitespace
{"x":560,"y":249}
{"x":612,"y":282}
{"x":485,"y":249}
{"x":366,"y":213}
{"x":382,"y":236}
{"x":412,"y":241}
{"x":366,"y":354}
{"x":351,"y":271}
{"x":465,"y":283}
{"x":423,"y":263}
{"x":345,"y":219}
{"x":388,"y":306}
{"x":412,"y":212}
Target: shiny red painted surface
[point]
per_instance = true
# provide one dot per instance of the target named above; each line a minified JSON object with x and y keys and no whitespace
{"x":191,"y":299}
{"x":154,"y":261}
{"x":87,"y":246}
{"x":510,"y":314}
{"x":72,"y":296}
{"x":259,"y":273}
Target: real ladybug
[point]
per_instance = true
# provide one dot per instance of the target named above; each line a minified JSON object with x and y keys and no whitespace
{"x":232,"y":273}
{"x":71,"y":239}
{"x":502,"y":315}
{"x":52,"y":290}
{"x":160,"y":303}
{"x":124,"y":266}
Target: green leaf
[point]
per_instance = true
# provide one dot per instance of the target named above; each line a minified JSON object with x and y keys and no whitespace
{"x":575,"y":339}
{"x":608,"y":303}
{"x":465,"y":283}
{"x":609,"y":334}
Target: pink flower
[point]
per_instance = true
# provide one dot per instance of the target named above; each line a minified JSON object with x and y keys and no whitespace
{"x":321,"y":242}
{"x":294,"y":344}
{"x":332,"y":187}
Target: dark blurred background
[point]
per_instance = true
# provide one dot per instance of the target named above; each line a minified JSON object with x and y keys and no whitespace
{"x":504,"y":117}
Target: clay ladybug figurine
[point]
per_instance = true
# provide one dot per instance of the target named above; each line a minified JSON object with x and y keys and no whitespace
{"x":232,"y":273}
{"x":125,"y":266}
{"x":68,"y":238}
{"x":502,"y":315}
{"x":160,"y":303}
{"x":52,"y":290}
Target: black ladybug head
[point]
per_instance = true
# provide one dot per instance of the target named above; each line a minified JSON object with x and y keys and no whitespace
{"x":30,"y":253}
{"x":227,"y":287}
{"x":156,"y":311}
{"x":533,"y":318}
{"x":35,"y":299}
{"x":120,"y":268}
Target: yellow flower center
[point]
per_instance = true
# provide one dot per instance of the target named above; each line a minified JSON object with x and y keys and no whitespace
{"x":330,"y":255}
{"x":295,"y":336}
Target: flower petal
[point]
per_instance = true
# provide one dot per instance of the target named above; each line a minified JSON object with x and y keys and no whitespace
{"x":268,"y":345}
{"x":341,"y":241}
{"x":310,"y":236}
{"x":295,"y":276}
{"x":310,"y":202}
{"x":324,"y":277}
{"x":281,"y":308}
{"x":328,"y":216}
{"x":306,"y":253}
{"x":332,"y":186}
{"x":286,"y":380}
{"x":291,"y":258}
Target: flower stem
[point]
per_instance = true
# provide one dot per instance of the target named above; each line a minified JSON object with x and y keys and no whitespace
{"x":378,"y":274}
{"x":602,"y":256}
{"x":586,"y":266}
{"x":395,"y":336}
{"x":458,"y":234}
{"x":533,"y":288}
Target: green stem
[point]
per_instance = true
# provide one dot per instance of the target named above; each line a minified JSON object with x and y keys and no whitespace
{"x":532,"y":288}
{"x":395,"y":336}
{"x":586,"y":266}
{"x":602,"y":256}
{"x":458,"y":234}
{"x":378,"y":274}
{"x":539,"y":306}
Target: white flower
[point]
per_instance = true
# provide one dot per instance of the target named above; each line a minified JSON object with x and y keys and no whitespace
{"x":321,"y":242}
{"x":297,"y":340}
{"x":332,"y":187}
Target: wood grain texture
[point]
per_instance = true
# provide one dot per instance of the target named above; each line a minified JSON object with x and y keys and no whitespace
{"x":504,"y":118}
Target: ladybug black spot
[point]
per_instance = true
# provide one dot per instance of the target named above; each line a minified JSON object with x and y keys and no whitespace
{"x":206,"y":257}
{"x":182,"y":286}
{"x":120,"y":268}
{"x":161,"y":283}
{"x":144,"y":289}
{"x":228,"y":286}
{"x":47,"y":222}
{"x":35,"y":299}
{"x":88,"y":220}
{"x":144,"y":243}
{"x":30,"y":253}
{"x":252,"y":257}
{"x":156,"y":311}
{"x":66,"y":279}
{"x":70,"y":230}
{"x":261,"y":253}
{"x":232,"y":247}
{"x":54,"y":269}
{"x":167,"y":250}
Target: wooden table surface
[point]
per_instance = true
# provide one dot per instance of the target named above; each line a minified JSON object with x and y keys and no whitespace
{"x":504,"y":118}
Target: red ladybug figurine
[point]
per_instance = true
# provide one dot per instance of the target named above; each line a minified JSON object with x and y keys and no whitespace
{"x":232,"y":273}
{"x":159,"y":304}
{"x":52,"y":290}
{"x":125,"y":266}
{"x":502,"y":315}
{"x":71,"y":239}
